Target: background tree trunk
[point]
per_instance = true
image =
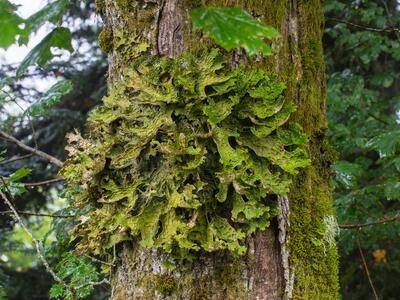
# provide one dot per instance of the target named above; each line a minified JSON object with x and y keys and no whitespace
{"x":297,"y":261}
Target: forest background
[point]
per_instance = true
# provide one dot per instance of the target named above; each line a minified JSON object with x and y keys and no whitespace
{"x":50,"y":93}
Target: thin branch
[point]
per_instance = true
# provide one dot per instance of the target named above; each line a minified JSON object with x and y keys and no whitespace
{"x":389,"y":15}
{"x":37,"y":243}
{"x":37,"y":152}
{"x":45,"y":182}
{"x":8,"y":161}
{"x":378,"y":221}
{"x":94,"y":259}
{"x":14,"y":99}
{"x":364,"y":27}
{"x":366,"y":270}
{"x":105,"y":280}
{"x":32,"y":213}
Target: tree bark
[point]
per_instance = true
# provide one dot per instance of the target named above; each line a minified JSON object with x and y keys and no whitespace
{"x":295,"y":258}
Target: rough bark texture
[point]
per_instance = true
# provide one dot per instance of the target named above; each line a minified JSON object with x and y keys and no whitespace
{"x":283,"y":262}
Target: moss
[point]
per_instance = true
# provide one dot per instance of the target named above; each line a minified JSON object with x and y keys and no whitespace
{"x":123,"y":4}
{"x":315,"y":262}
{"x":100,"y":4}
{"x":311,"y":202}
{"x":106,"y":40}
{"x":230,"y":276}
{"x":164,"y":283}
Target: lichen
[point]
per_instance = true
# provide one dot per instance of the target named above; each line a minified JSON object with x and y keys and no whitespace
{"x":184,"y":155}
{"x":129,"y":45}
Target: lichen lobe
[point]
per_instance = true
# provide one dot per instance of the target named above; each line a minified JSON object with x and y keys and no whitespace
{"x":185,"y":155}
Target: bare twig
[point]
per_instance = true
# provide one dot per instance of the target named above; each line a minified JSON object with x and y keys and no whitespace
{"x":364,"y":27}
{"x":94,"y":259}
{"x":366,"y":270}
{"x":8,"y":161}
{"x":45,"y":182}
{"x":14,"y":99}
{"x":378,"y":221}
{"x":37,"y":152}
{"x":32,"y":213}
{"x":389,"y":15}
{"x":37,"y":243}
{"x":105,"y":280}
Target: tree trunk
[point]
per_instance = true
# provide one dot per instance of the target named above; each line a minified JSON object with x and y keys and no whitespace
{"x":296,"y":258}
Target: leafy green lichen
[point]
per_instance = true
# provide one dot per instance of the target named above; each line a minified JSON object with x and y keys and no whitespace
{"x":128,"y":44}
{"x":184,"y":155}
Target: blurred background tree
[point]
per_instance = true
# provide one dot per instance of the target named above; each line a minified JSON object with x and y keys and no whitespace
{"x":21,"y":273}
{"x":362,"y":48}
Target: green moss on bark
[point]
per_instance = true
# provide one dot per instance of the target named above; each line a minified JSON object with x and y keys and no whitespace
{"x":100,"y":4}
{"x":106,"y":40}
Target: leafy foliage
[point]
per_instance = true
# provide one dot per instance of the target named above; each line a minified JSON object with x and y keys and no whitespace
{"x":50,"y":98}
{"x":362,"y":54}
{"x":10,"y":24}
{"x":233,"y":28}
{"x":11,"y":182}
{"x":25,"y":275}
{"x":60,"y":38}
{"x":80,"y":272}
{"x":52,"y":12}
{"x":186,"y":155}
{"x":13,"y":26}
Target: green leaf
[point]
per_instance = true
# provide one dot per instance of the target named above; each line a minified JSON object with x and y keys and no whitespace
{"x":79,"y":271}
{"x":233,"y":28}
{"x":386,"y":143}
{"x":2,"y":293}
{"x":2,"y":152}
{"x":392,"y":189}
{"x":16,"y":188}
{"x":50,"y":98}
{"x":60,"y":38}
{"x":56,"y":291}
{"x":19,"y":174}
{"x":52,"y":12}
{"x":10,"y":24}
{"x":347,"y":173}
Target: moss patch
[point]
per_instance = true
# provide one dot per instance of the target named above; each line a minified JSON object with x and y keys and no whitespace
{"x":164,"y":283}
{"x":100,"y":5}
{"x":106,"y":40}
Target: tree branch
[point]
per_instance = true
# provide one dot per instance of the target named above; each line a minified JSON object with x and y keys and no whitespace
{"x":94,"y":259}
{"x":37,"y":152}
{"x":366,"y":270}
{"x":37,"y":243}
{"x":364,"y":27}
{"x":31,"y":213}
{"x":378,"y":221}
{"x":7,"y":161}
{"x":105,"y":280}
{"x":45,"y":182}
